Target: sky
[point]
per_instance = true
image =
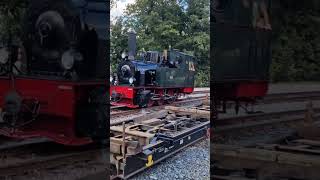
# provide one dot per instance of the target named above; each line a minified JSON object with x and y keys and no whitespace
{"x":118,"y":10}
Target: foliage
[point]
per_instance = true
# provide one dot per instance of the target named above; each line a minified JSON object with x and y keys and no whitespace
{"x":296,"y":44}
{"x":161,"y":24}
{"x":119,"y":41}
{"x":11,"y":14}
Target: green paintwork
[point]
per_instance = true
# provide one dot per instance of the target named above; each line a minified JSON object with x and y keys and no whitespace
{"x":182,"y":76}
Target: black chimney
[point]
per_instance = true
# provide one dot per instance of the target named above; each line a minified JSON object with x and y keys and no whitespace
{"x":132,"y":43}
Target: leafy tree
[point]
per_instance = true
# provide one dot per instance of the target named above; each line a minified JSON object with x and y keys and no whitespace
{"x":161,"y":24}
{"x":296,"y":49}
{"x":11,"y":14}
{"x":119,"y":39}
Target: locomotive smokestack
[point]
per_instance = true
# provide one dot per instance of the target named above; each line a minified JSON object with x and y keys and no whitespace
{"x":132,"y":43}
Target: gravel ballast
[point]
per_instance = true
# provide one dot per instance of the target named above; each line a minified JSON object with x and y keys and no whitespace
{"x":189,"y":164}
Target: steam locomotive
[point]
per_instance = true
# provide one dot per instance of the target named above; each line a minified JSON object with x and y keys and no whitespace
{"x":52,"y":84}
{"x":151,"y":78}
{"x":241,"y":48}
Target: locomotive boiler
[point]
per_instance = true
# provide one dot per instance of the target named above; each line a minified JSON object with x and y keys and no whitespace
{"x":151,"y":78}
{"x":60,"y":94}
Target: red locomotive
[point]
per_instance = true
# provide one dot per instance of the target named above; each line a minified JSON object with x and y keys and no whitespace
{"x":152,"y":79}
{"x":58,"y":89}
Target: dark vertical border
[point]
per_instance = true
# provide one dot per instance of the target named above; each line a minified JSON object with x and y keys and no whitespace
{"x":108,"y":66}
{"x":106,"y":142}
{"x":107,"y":145}
{"x":212,"y":94}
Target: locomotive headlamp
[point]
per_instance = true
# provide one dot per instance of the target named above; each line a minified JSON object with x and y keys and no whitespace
{"x":4,"y":55}
{"x":123,"y":55}
{"x":67,"y":60}
{"x":131,"y":80}
{"x":111,"y":78}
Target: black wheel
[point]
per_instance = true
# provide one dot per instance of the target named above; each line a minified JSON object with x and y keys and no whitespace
{"x":144,"y":99}
{"x":12,"y":107}
{"x":92,"y":116}
{"x":12,"y":102}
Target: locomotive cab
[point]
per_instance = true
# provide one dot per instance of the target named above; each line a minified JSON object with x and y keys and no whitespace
{"x":177,"y":71}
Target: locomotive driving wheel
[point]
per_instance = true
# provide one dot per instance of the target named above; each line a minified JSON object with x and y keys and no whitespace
{"x":144,"y":99}
{"x":12,"y":107}
{"x":19,"y":112}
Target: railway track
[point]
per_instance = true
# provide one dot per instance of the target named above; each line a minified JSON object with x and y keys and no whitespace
{"x":241,"y":121}
{"x":285,"y":152}
{"x":269,"y":99}
{"x":51,"y":158}
{"x":283,"y":97}
{"x":289,"y":97}
{"x":262,"y":119}
{"x":6,"y":143}
{"x":122,"y":115}
{"x":295,"y":156}
{"x":296,"y":159}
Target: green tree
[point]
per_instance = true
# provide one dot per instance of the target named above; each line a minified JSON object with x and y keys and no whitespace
{"x":119,"y":39}
{"x":197,"y":38}
{"x":11,"y":15}
{"x":296,"y":49}
{"x":161,"y":24}
{"x":158,"y":23}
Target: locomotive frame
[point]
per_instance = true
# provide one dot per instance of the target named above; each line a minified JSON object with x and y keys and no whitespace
{"x":55,"y":98}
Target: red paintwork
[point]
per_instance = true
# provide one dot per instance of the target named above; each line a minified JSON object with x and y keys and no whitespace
{"x":58,"y":101}
{"x":242,"y":89}
{"x":256,"y":89}
{"x":128,"y":93}
{"x":188,"y":90}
